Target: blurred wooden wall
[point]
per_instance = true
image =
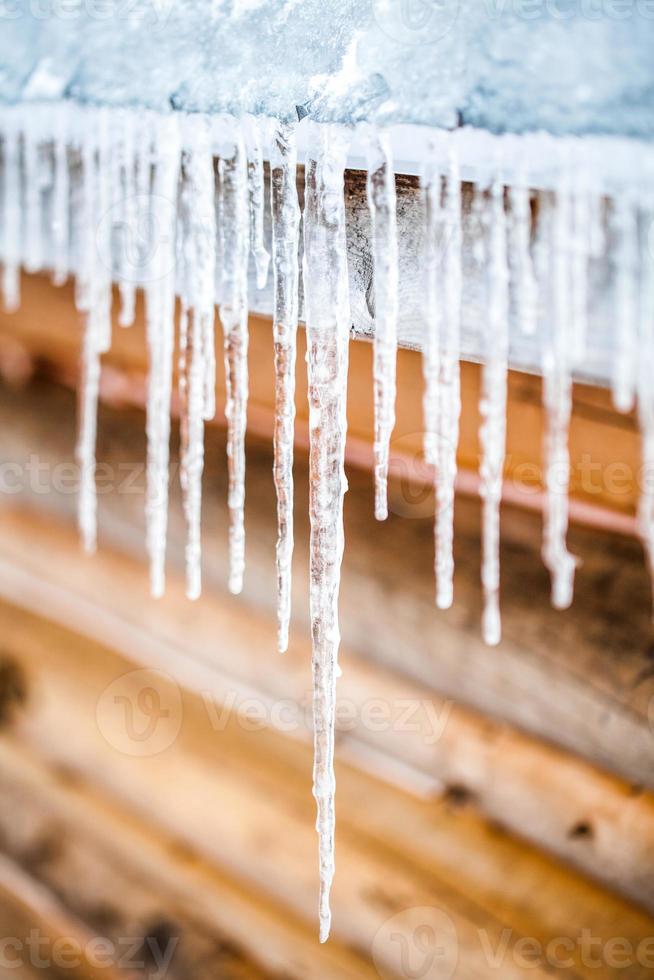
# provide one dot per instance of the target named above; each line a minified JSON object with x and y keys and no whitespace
{"x":494,"y":807}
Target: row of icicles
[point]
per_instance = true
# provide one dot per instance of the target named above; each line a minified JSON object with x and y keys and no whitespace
{"x":140,"y":201}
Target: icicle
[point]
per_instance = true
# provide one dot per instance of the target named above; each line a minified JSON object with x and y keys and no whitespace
{"x":558,"y":278}
{"x":129,"y":231}
{"x":103,"y":271}
{"x":182,"y":243}
{"x":97,"y":335}
{"x":84,"y":216}
{"x":624,"y":314}
{"x":256,"y":202}
{"x":493,"y":413}
{"x":644,"y":381}
{"x":442,"y":403}
{"x":61,"y":202}
{"x":328,"y":324}
{"x":521,"y":264}
{"x":234,"y":318}
{"x":382,"y":204}
{"x":32,"y":254}
{"x":160,"y":322}
{"x":94,"y":297}
{"x":449,"y":388}
{"x":433,"y":311}
{"x":197,"y":336}
{"x":285,"y":229}
{"x":476,"y":227}
{"x":206,"y":309}
{"x":11,"y":218}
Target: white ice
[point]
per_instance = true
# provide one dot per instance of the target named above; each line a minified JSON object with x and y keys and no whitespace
{"x":382,"y":204}
{"x":61,"y":202}
{"x":198,"y":251}
{"x":625,"y":251}
{"x":160,"y":330}
{"x":256,"y":201}
{"x":493,"y":412}
{"x":328,"y":327}
{"x":11,"y":210}
{"x":285,"y":230}
{"x":111,"y":194}
{"x":93,"y":296}
{"x":520,"y":260}
{"x":234,"y":318}
{"x":558,"y":272}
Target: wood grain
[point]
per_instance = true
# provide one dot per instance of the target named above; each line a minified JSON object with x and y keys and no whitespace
{"x":581,"y":679}
{"x":239,"y":799}
{"x":402,"y":731}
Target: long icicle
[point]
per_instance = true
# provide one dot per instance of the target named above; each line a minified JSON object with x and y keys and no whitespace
{"x":558,"y":350}
{"x":382,"y":203}
{"x":285,"y":230}
{"x":442,"y":401}
{"x":433,"y":211}
{"x":160,"y":324}
{"x":493,"y":413}
{"x":130,"y":232}
{"x":32,"y":252}
{"x":256,"y":202}
{"x":197,"y":344}
{"x":61,"y":200}
{"x":234,"y":318}
{"x":183,"y":261}
{"x":94,"y":292}
{"x":328,"y":325}
{"x":11,"y":216}
{"x":623,"y":221}
{"x":449,"y":387}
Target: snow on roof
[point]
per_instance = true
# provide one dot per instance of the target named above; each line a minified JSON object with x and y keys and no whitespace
{"x":565,"y":66}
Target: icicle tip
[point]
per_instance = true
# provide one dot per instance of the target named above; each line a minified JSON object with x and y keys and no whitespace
{"x":325,"y":926}
{"x":381,"y":509}
{"x":444,"y":596}
{"x":282,"y":640}
{"x":491,"y":626}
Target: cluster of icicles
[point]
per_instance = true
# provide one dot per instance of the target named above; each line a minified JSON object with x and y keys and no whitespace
{"x":141,"y":200}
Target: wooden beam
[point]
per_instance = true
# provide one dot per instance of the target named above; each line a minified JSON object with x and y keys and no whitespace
{"x":239,"y":800}
{"x":144,"y":884}
{"x":604,"y":445}
{"x":404,"y":731}
{"x":581,"y":679}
